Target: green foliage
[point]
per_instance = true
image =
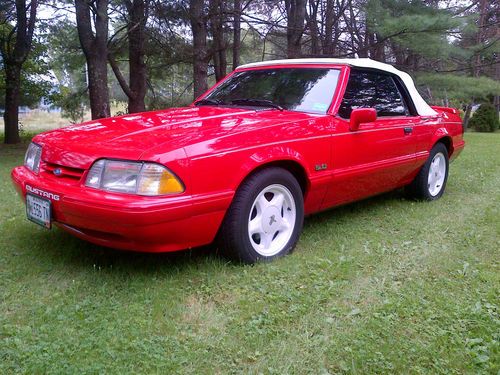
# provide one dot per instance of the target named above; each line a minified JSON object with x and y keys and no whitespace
{"x":65,"y":55}
{"x":71,"y":103}
{"x":413,"y":25}
{"x":457,"y":89}
{"x":485,"y":119}
{"x":36,"y":79}
{"x":68,"y":64}
{"x":417,"y":36}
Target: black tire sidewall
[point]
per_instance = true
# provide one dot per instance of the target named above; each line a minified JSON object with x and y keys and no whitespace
{"x":242,"y":248}
{"x":438,"y":148}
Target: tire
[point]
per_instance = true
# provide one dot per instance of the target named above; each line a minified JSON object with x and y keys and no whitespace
{"x":430,"y":182}
{"x":265,"y":219}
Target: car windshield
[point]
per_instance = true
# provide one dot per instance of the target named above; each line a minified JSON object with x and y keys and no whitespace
{"x":296,"y":89}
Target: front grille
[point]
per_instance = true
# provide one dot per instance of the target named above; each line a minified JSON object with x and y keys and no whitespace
{"x":62,"y":172}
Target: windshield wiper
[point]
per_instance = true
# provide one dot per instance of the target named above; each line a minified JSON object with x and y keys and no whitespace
{"x":208,"y":102}
{"x":257,"y":103}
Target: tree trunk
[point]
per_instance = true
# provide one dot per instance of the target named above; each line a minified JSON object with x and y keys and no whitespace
{"x":97,"y":73}
{"x":14,"y":51}
{"x":355,"y":30}
{"x":496,"y":99}
{"x":312,"y":23}
{"x":136,"y":88}
{"x":376,"y":46}
{"x":466,"y":119}
{"x":236,"y":33}
{"x":219,"y":45}
{"x":329,"y":19}
{"x":136,"y":51}
{"x":483,"y":4}
{"x":200,"y":63}
{"x":95,"y":49}
{"x":11,"y":114}
{"x":296,"y":14}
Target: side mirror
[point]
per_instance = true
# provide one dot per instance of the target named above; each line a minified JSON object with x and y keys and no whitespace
{"x":360,"y":116}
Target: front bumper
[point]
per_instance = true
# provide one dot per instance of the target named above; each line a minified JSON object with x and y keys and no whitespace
{"x":129,"y":222}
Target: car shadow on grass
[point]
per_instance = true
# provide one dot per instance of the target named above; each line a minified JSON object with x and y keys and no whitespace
{"x":63,"y":249}
{"x":352,"y":210}
{"x":60,"y":248}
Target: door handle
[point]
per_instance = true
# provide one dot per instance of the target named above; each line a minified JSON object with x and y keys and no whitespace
{"x":408,"y":130}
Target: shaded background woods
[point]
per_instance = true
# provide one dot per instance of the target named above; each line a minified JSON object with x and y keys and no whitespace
{"x":84,"y":58}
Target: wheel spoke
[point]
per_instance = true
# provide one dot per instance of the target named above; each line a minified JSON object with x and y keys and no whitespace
{"x":266,"y":239}
{"x":431,"y":180}
{"x":262,"y":203}
{"x":283,"y":225}
{"x":436,"y":163}
{"x":436,"y":167}
{"x":255,"y":225}
{"x":277,"y":200}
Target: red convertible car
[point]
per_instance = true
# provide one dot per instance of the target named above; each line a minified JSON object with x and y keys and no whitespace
{"x":270,"y":143}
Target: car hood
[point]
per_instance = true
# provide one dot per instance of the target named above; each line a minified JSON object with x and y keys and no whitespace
{"x":131,"y":136}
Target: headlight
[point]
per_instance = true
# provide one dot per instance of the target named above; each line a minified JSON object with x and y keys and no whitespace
{"x":32,"y":157}
{"x":133,"y":178}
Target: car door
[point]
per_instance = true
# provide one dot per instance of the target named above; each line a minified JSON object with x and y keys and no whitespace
{"x":380,"y":155}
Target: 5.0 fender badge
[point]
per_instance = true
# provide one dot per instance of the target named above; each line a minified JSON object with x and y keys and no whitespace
{"x":320,"y":167}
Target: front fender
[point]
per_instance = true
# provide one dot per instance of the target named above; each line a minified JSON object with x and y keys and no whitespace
{"x":270,"y":155}
{"x":314,"y":182}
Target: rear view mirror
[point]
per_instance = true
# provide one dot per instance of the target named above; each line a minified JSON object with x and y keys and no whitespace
{"x":360,"y":116}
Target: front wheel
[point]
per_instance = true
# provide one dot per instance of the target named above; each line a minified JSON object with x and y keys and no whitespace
{"x":265,"y":218}
{"x":430,"y":182}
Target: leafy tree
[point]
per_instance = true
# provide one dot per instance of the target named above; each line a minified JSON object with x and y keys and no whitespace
{"x":69,"y":67}
{"x":455,"y":90}
{"x":35,"y":78}
{"x":411,"y":29}
{"x":485,"y":119}
{"x":71,"y":104}
{"x":163,"y":52}
{"x":17,"y":25}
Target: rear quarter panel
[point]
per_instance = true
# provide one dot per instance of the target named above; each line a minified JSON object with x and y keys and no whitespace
{"x":442,"y":127}
{"x":452,"y":123}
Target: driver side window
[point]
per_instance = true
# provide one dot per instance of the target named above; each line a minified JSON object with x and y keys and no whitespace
{"x":368,"y":89}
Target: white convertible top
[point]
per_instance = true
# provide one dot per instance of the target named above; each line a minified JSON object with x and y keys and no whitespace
{"x":421,"y":106}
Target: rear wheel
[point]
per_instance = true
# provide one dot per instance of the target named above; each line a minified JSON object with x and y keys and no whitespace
{"x":265,"y":218}
{"x":430,"y":182}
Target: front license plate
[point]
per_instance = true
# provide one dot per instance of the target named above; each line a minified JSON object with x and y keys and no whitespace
{"x":38,"y":210}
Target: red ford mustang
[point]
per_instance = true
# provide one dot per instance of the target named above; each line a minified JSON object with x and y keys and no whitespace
{"x":272,"y":142}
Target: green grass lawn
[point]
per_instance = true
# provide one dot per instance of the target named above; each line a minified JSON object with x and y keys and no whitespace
{"x":385,"y":285}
